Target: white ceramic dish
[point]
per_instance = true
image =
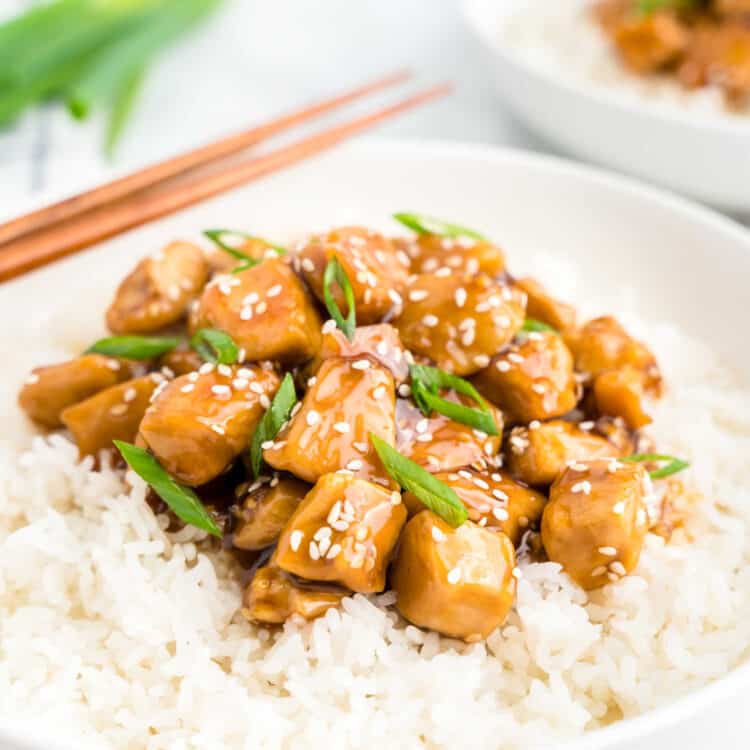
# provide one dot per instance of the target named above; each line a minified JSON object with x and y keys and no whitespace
{"x":610,"y":227}
{"x":704,"y":156}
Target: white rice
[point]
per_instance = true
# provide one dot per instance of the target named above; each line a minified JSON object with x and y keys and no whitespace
{"x":561,"y":38}
{"x":116,"y":635}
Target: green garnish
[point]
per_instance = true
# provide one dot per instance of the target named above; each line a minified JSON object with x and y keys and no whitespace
{"x":215,"y":346}
{"x":89,"y":53}
{"x":134,"y":347}
{"x":434,"y":494}
{"x":227,"y":239}
{"x":185,"y":504}
{"x":426,"y":382}
{"x":673,"y":466}
{"x":272,"y":421}
{"x":646,"y":7}
{"x":530,"y":325}
{"x":335,"y":273}
{"x":422,"y":224}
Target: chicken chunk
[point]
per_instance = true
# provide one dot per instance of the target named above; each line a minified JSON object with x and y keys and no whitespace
{"x":459,"y":582}
{"x":346,"y":401}
{"x":537,"y":455}
{"x":344,"y":531}
{"x":48,"y":391}
{"x":112,"y":414}
{"x":438,"y":443}
{"x":430,"y":252}
{"x":596,"y":520}
{"x":199,"y":423}
{"x":458,"y":321}
{"x":619,"y":393}
{"x":603,"y":344}
{"x":265,"y":511}
{"x":159,"y":290}
{"x":651,"y":42}
{"x":273,"y":596}
{"x":266,"y":310}
{"x":545,"y":308}
{"x":380,"y":342}
{"x":375,"y":268}
{"x":531,"y":379}
{"x":493,"y":500}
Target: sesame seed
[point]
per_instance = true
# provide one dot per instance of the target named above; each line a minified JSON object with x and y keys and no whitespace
{"x":322,"y":533}
{"x":361,"y":533}
{"x":467,"y":338}
{"x":618,"y":567}
{"x":395,"y":498}
{"x":118,"y":410}
{"x":500,"y":513}
{"x":129,"y":395}
{"x":246,"y":313}
{"x":539,"y":388}
{"x":240,"y":383}
{"x":618,"y":508}
{"x":187,"y":388}
{"x":576,"y":466}
{"x":333,"y":551}
{"x":312,"y":418}
{"x":535,"y":424}
{"x":459,"y":297}
{"x":361,"y":447}
{"x":354,"y":465}
{"x":422,"y":426}
{"x":480,"y":483}
{"x":502,"y":365}
{"x":437,"y":535}
{"x":404,"y":390}
{"x":481,"y":360}
{"x":311,"y":381}
{"x":430,"y":320}
{"x":329,"y":326}
{"x":499,"y":494}
{"x":417,"y":295}
{"x":295,"y":539}
{"x":425,"y":437}
{"x":613,"y":577}
{"x":600,"y":570}
{"x":584,"y":487}
{"x":515,"y":357}
{"x":113,"y":364}
{"x":206,"y":368}
{"x":221,"y":390}
{"x":586,"y":426}
{"x":218,"y":429}
{"x":308,"y":265}
{"x":454,"y":575}
{"x":256,"y":388}
{"x":339,"y":525}
{"x":225,"y":370}
{"x":342,"y":427}
{"x":274,"y":291}
{"x":361,"y":364}
{"x":261,"y":307}
{"x":607,"y":551}
{"x":379,"y":392}
{"x":265,"y":402}
{"x":313,"y":551}
{"x":267,"y":445}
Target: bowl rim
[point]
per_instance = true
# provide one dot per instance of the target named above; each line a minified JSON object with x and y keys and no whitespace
{"x":476,"y":17}
{"x":496,"y":157}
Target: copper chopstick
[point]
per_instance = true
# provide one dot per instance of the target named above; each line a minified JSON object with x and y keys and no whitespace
{"x":43,"y":247}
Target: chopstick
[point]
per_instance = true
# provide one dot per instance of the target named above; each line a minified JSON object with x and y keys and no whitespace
{"x":107,"y":220}
{"x":157,"y":173}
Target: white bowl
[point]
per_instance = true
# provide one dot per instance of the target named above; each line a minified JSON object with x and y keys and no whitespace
{"x":617,"y":231}
{"x":706,"y":156}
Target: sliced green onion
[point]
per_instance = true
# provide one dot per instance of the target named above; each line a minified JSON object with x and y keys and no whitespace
{"x":422,"y":224}
{"x":215,"y":346}
{"x":530,"y":325}
{"x":646,"y":7}
{"x":134,"y":347}
{"x":433,"y":493}
{"x":335,"y":273}
{"x":674,"y":464}
{"x":122,"y":106}
{"x":185,"y":504}
{"x":227,"y":239}
{"x":426,"y":382}
{"x":272,"y":421}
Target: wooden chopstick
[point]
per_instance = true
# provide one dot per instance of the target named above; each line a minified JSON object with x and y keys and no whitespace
{"x":38,"y":249}
{"x":157,"y":173}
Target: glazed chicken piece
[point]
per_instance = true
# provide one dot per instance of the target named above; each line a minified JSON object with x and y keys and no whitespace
{"x":265,"y":510}
{"x":719,"y":55}
{"x":181,"y":361}
{"x":537,"y":455}
{"x":159,"y":290}
{"x":494,"y":500}
{"x":545,"y":308}
{"x":344,"y":531}
{"x":459,"y":321}
{"x":199,"y":423}
{"x":112,"y":414}
{"x":266,"y":310}
{"x":531,"y":379}
{"x":48,"y":391}
{"x":431,"y":252}
{"x":376,"y":270}
{"x":648,"y":43}
{"x":273,"y":596}
{"x":380,"y":342}
{"x":732,"y":7}
{"x":346,"y":400}
{"x":619,"y":393}
{"x":596,"y":520}
{"x":438,"y":443}
{"x":459,"y":582}
{"x":603,"y":344}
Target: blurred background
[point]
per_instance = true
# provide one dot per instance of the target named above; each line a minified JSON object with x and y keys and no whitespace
{"x":253,"y":59}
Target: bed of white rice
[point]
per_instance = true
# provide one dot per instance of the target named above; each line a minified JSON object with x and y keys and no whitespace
{"x":562,"y":38}
{"x":114,"y":634}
